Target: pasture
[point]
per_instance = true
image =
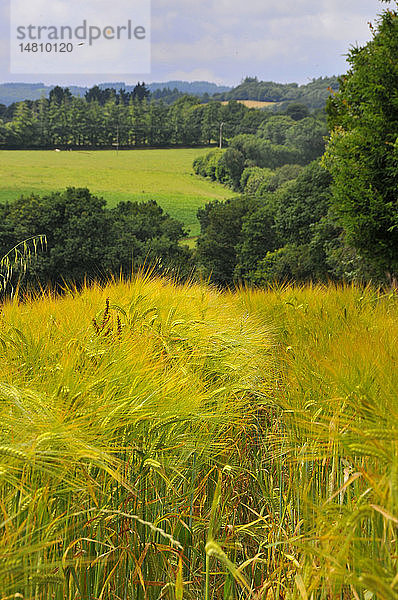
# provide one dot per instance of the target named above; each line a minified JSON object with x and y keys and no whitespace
{"x":163,"y":175}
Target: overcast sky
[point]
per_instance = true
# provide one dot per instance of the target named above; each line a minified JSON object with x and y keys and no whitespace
{"x":226,"y":40}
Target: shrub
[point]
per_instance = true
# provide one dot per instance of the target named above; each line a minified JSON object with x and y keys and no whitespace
{"x":254,"y":177}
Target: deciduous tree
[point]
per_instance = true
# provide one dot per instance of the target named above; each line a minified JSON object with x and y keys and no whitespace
{"x":362,"y":154}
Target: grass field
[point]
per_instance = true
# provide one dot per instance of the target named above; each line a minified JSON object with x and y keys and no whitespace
{"x":162,"y":175}
{"x":174,"y":442}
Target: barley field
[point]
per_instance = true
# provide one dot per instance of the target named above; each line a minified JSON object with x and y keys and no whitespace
{"x":163,"y":175}
{"x":254,"y":103}
{"x":172,"y":441}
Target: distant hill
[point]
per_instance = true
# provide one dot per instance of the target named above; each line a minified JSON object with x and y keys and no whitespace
{"x":313,"y":94}
{"x":15,"y":92}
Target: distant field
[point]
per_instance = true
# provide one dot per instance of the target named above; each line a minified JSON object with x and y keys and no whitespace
{"x":253,"y":103}
{"x":162,"y":175}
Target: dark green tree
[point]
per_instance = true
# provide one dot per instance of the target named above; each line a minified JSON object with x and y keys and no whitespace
{"x":87,"y":240}
{"x":159,"y":127}
{"x":275,"y":128}
{"x":24,"y":127}
{"x":362,"y":154}
{"x":302,"y":203}
{"x":221,"y":233}
{"x":297,"y":111}
{"x":76,"y":226}
{"x":308,"y":137}
{"x":230,"y":167}
{"x":211,"y":122}
{"x":141,"y":92}
{"x":258,"y":237}
{"x":143,"y":233}
{"x":60,"y":95}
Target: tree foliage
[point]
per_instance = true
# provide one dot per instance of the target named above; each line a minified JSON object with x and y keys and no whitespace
{"x":288,"y":233}
{"x":85,"y":239}
{"x":362,"y":154}
{"x":312,"y":95}
{"x":106,"y":117}
{"x":280,"y":141}
{"x":221,"y":233}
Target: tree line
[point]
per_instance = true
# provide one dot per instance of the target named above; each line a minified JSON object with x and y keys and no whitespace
{"x":249,"y":162}
{"x":84,"y":239}
{"x":105,"y":118}
{"x":333,"y":219}
{"x":289,"y":232}
{"x":313,"y":94}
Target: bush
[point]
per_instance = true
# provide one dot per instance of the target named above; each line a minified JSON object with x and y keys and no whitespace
{"x":254,"y":177}
{"x":230,"y":167}
{"x":206,"y":165}
{"x":198,"y":166}
{"x":281,"y":176}
{"x":211,"y":163}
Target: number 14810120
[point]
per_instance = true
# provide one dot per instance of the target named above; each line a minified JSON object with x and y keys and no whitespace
{"x":46,"y":47}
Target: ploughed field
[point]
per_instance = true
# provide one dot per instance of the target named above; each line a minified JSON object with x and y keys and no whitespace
{"x":164,"y":175}
{"x":167,"y":441}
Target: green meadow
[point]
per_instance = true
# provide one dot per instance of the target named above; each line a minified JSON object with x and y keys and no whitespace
{"x":163,"y":175}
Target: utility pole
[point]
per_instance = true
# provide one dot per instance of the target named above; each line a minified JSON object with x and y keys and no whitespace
{"x":117,"y":128}
{"x":221,"y":126}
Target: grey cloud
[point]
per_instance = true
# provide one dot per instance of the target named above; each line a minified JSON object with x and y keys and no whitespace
{"x":293,"y":39}
{"x":224,"y":40}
